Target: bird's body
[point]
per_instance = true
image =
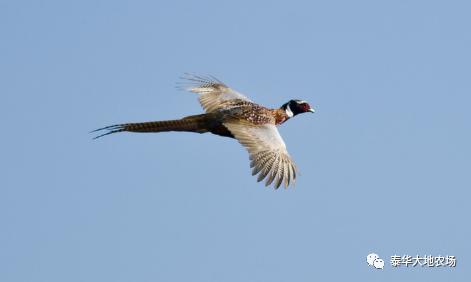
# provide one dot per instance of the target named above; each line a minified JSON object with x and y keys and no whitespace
{"x":230,"y":114}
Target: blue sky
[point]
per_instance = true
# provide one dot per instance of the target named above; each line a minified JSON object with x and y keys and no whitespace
{"x":384,"y":163}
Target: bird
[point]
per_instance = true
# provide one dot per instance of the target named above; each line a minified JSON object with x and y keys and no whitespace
{"x":229,"y":113}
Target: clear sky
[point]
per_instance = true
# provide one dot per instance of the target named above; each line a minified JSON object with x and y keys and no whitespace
{"x":384,"y":162}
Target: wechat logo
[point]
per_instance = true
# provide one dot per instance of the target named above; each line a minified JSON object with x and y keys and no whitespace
{"x":374,"y":261}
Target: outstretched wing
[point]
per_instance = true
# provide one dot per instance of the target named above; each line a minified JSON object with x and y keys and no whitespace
{"x":267,"y":151}
{"x":213,"y":92}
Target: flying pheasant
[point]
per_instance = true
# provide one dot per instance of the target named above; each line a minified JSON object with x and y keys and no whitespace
{"x":231,"y":114}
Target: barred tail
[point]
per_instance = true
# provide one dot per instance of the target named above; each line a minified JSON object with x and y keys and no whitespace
{"x":195,"y":123}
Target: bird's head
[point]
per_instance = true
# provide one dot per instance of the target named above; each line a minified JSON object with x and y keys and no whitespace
{"x":294,"y":107}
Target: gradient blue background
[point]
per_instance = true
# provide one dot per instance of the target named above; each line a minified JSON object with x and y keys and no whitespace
{"x":384,"y":162}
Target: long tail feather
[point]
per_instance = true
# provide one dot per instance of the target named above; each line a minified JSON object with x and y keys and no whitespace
{"x":197,"y":123}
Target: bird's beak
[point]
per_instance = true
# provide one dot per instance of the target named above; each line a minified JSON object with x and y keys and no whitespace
{"x":311,"y":110}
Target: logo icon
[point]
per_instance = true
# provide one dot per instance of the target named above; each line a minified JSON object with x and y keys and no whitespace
{"x":374,"y":261}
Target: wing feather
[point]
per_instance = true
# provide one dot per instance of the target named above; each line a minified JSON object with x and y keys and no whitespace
{"x":281,"y":174}
{"x":213,"y":93}
{"x":267,"y":150}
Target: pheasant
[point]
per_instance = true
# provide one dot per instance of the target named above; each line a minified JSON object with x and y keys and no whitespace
{"x":231,"y":114}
